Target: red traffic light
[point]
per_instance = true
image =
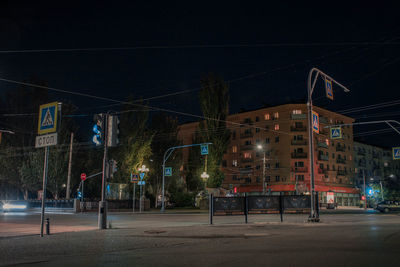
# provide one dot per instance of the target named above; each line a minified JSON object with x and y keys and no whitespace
{"x":362,"y":197}
{"x":235,"y":190}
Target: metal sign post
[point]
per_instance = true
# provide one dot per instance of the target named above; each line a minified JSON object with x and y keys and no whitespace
{"x":45,"y":168}
{"x":47,"y":124}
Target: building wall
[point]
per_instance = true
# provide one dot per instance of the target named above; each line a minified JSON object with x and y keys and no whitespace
{"x":375,"y":163}
{"x":282,"y":131}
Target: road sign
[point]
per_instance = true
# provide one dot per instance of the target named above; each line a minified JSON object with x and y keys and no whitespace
{"x":168,"y":171}
{"x":134,"y":178}
{"x":141,"y":182}
{"x":315,"y":122}
{"x":336,"y":133}
{"x":328,"y":89}
{"x":47,"y":118}
{"x":396,"y":152}
{"x":204,"y":149}
{"x":46,"y":140}
{"x":83,"y":176}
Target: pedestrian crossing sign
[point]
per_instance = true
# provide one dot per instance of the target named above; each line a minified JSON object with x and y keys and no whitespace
{"x":396,"y":152}
{"x":328,"y":89}
{"x":47,"y":118}
{"x":315,"y":122}
{"x":336,"y":133}
{"x":168,"y":171}
{"x":204,"y":149}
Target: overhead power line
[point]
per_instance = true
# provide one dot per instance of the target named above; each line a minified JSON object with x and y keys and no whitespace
{"x":196,"y":46}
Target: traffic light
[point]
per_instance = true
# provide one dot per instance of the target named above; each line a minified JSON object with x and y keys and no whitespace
{"x":98,"y":127}
{"x":235,"y":190}
{"x":112,"y":131}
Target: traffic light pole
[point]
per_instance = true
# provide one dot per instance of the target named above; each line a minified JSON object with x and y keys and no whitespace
{"x":102,"y":217}
{"x":314,"y":215}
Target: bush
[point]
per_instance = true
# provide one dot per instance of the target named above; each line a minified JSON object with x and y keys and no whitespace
{"x":182,"y":199}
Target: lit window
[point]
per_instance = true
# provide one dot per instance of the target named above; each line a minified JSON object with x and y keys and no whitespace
{"x":327,"y":141}
{"x":276,"y":115}
{"x":276,"y":127}
{"x":247,"y":155}
{"x":234,"y":162}
{"x":267,"y":117}
{"x":234,"y":149}
{"x":296,"y":111}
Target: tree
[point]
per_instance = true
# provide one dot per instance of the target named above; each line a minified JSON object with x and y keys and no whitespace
{"x":165,"y":131}
{"x":214,"y":102}
{"x":135,"y":142}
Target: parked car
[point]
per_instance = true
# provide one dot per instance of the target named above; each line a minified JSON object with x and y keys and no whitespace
{"x":388,"y":205}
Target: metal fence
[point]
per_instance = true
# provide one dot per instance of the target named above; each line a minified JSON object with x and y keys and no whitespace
{"x":259,"y":205}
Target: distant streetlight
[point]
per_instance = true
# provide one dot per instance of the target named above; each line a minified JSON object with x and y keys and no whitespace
{"x":204,"y":175}
{"x":260,"y":147}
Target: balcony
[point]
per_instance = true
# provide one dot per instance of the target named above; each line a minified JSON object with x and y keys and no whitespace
{"x":246,"y":147}
{"x":245,"y":170}
{"x":361,"y":152}
{"x":341,"y":148}
{"x":362,"y":163}
{"x":299,"y":155}
{"x":341,"y":161}
{"x":323,"y":157}
{"x":322,"y":144}
{"x":298,"y":116}
{"x":299,"y":142}
{"x":299,"y":169}
{"x":246,"y":160}
{"x":341,"y":173}
{"x":321,"y":171}
{"x":246,"y":135}
{"x":323,"y":120}
{"x":298,"y":128}
{"x":375,"y":155}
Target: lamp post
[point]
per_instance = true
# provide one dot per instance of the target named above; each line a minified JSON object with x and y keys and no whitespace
{"x":310,"y":88}
{"x":143,"y":170}
{"x":259,"y":147}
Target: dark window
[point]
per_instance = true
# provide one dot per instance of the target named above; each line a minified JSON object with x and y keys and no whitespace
{"x":277,"y":165}
{"x":257,"y":118}
{"x":258,"y":167}
{"x":267,"y":140}
{"x":224,"y":163}
{"x":267,"y":178}
{"x":257,"y":130}
{"x":277,"y":178}
{"x":277,"y":139}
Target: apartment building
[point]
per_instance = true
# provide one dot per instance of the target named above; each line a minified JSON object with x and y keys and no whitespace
{"x":278,"y":137}
{"x":374,"y":163}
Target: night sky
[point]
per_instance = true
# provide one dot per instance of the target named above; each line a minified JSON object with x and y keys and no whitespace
{"x":264,"y":51}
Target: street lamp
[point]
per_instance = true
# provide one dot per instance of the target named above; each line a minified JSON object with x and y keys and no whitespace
{"x":143,"y":170}
{"x":260,"y":147}
{"x":310,"y":88}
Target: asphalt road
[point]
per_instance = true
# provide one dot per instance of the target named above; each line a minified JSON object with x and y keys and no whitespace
{"x":341,"y":239}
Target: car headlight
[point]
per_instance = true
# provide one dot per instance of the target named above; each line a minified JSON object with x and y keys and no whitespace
{"x":10,"y":206}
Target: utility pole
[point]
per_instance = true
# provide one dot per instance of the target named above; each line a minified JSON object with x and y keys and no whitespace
{"x":69,"y":167}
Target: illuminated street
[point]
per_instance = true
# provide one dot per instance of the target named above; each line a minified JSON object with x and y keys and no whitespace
{"x":348,"y":238}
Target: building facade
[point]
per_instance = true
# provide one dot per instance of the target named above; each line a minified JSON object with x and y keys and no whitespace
{"x":269,"y":150}
{"x":373,"y":163}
